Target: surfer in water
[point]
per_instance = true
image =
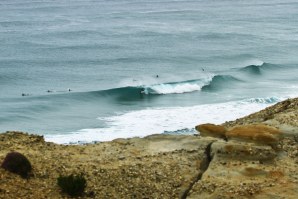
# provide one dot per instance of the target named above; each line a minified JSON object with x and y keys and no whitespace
{"x":143,"y":91}
{"x":156,"y":76}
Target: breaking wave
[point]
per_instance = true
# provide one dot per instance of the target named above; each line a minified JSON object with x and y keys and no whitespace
{"x":258,"y":69}
{"x":136,"y":93}
{"x":219,"y":82}
{"x":176,"y":87}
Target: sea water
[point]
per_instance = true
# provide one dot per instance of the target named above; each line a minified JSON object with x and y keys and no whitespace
{"x":79,"y":71}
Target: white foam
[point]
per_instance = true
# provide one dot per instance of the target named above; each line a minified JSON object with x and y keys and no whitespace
{"x":176,"y":88}
{"x":155,"y":121}
{"x":255,"y":62}
{"x":153,"y":85}
{"x":268,"y":100}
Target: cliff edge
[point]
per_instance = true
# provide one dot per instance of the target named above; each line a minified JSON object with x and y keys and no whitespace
{"x":252,"y":157}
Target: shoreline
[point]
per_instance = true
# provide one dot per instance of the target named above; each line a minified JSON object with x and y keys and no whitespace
{"x":165,"y":166}
{"x":142,"y":123}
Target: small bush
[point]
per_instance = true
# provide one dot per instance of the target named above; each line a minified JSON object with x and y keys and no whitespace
{"x":72,"y":185}
{"x":17,"y":163}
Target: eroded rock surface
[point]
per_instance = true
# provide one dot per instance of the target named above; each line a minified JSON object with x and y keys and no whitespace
{"x":158,"y":166}
{"x":259,"y":133}
{"x":257,"y":161}
{"x":242,"y":151}
{"x":249,"y":171}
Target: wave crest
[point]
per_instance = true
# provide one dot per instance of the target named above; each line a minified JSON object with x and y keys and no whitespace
{"x":257,"y":69}
{"x":176,"y":87}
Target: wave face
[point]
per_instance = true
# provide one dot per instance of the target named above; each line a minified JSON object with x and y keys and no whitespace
{"x":219,"y":82}
{"x":252,"y":69}
{"x":135,"y":93}
{"x":258,"y":69}
{"x":128,"y":93}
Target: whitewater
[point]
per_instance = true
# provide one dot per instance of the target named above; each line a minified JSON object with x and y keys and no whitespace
{"x":169,"y":120}
{"x":84,"y":71}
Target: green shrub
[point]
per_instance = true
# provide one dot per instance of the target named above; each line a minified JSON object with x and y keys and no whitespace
{"x":17,"y":163}
{"x":73,"y":185}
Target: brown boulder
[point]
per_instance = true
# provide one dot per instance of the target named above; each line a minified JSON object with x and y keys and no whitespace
{"x":257,"y":133}
{"x":211,"y":130}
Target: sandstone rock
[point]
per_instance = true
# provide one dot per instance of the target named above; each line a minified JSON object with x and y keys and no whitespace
{"x":259,"y":133}
{"x":242,"y":151}
{"x":241,"y":170}
{"x":211,"y":130}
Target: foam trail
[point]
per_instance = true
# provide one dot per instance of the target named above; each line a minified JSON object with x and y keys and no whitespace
{"x":155,"y":121}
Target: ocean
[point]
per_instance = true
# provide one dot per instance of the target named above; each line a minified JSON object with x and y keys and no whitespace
{"x":79,"y":71}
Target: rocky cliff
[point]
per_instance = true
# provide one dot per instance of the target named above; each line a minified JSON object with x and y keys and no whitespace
{"x":252,"y":157}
